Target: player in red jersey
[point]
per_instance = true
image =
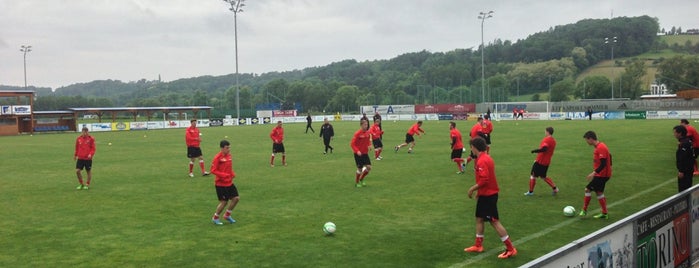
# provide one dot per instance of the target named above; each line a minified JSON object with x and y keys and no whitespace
{"x":476,"y":131}
{"x":84,"y":151}
{"x":376,"y":134}
{"x":360,"y":147}
{"x":487,"y":130}
{"x":457,"y":147}
{"x":601,"y":173}
{"x":542,"y":162}
{"x":193,"y":138}
{"x":228,"y":197}
{"x":409,"y":139}
{"x":277,"y":136}
{"x":693,"y":136}
{"x":487,"y":200}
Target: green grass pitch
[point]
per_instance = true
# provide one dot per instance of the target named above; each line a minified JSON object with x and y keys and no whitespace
{"x":142,"y":209}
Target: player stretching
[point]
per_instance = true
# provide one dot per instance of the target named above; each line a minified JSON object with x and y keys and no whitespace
{"x":376,"y":134}
{"x":457,"y":147}
{"x":542,"y":162}
{"x":360,"y":146}
{"x":602,"y":164}
{"x":487,"y":200}
{"x":409,"y":139}
{"x":277,"y":136}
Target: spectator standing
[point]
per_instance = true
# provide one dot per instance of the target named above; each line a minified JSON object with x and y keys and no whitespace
{"x":684,"y":159}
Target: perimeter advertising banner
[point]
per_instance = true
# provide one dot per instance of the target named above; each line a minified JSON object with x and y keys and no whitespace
{"x":695,"y":224}
{"x":454,"y":109}
{"x":611,"y":250}
{"x":663,"y":236}
{"x":387,"y":109}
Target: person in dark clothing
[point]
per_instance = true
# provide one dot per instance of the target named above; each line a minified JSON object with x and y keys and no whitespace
{"x":309,"y":120}
{"x":589,"y":113}
{"x":378,"y":116}
{"x":327,"y":133}
{"x":684,"y":159}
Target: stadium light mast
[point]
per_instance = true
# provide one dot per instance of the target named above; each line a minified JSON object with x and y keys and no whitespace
{"x":25,"y":49}
{"x":611,"y":41}
{"x":482,"y":16}
{"x":236,"y":7}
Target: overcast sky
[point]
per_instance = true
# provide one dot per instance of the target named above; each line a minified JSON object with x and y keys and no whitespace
{"x":78,"y":41}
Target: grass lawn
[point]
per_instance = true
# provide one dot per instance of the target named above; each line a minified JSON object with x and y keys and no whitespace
{"x":142,"y":209}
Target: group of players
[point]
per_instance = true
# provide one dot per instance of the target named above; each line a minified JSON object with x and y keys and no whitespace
{"x":485,"y":189}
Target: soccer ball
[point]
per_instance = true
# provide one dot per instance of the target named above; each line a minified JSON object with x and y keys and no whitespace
{"x":329,"y":228}
{"x":569,"y":211}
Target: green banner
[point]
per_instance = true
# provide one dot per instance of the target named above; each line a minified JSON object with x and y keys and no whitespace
{"x":635,"y":114}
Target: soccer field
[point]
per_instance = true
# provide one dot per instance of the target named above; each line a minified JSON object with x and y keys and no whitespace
{"x":142,"y":210}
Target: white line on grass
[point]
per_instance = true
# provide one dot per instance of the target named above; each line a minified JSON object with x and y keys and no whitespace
{"x":554,"y":227}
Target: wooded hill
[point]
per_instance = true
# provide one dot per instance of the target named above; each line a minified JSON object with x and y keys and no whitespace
{"x":549,"y":61}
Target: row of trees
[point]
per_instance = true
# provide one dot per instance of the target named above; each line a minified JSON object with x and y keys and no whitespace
{"x":545,"y":62}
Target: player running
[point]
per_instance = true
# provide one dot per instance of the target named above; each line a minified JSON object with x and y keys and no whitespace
{"x":542,"y":162}
{"x":409,"y":139}
{"x":360,"y":147}
{"x":376,"y":134}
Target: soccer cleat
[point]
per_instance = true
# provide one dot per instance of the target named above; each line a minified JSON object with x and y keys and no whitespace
{"x":206,"y":173}
{"x":217,"y":221}
{"x":508,"y":253}
{"x":362,"y":182}
{"x":86,"y":187}
{"x":379,"y":158}
{"x":230,"y":219}
{"x":191,"y":175}
{"x":459,"y":172}
{"x":396,"y":148}
{"x":80,"y":187}
{"x":325,"y":152}
{"x":603,"y":216}
{"x":529,"y":193}
{"x":474,"y":249}
{"x":583,"y":213}
{"x":410,"y":151}
{"x":358,"y":185}
{"x":555,"y":191}
{"x":272,"y":165}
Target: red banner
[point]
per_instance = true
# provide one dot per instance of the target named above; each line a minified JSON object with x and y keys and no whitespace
{"x":284,"y":113}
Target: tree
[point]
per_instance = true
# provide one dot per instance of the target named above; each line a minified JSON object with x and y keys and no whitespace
{"x":345,"y":99}
{"x":561,"y":89}
{"x":631,"y":80}
{"x":594,"y":87}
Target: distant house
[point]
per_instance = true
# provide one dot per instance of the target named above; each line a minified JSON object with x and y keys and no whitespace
{"x":658,"y":92}
{"x":692,"y":31}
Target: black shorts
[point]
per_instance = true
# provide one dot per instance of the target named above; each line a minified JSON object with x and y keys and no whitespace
{"x":362,"y":160}
{"x":487,"y":138}
{"x":487,"y":207}
{"x":409,"y":138}
{"x":539,"y":170}
{"x":82,"y":163}
{"x":278,"y":148}
{"x":457,"y":153}
{"x":226,"y":192}
{"x":377,"y":143}
{"x":193,"y":152}
{"x":597,"y":184}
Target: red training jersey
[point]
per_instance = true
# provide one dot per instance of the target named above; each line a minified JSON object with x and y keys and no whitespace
{"x":544,"y":158}
{"x":602,"y":152}
{"x":360,"y":142}
{"x":477,"y":128}
{"x":277,"y":134}
{"x":488,"y":128}
{"x":455,"y":135}
{"x":485,"y":175}
{"x":375,"y":131}
{"x":84,"y":147}
{"x":222,"y":167}
{"x":693,"y":135}
{"x":415,"y":129}
{"x":191,"y":137}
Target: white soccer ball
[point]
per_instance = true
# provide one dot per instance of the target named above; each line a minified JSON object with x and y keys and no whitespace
{"x":329,"y":228}
{"x":569,"y":211}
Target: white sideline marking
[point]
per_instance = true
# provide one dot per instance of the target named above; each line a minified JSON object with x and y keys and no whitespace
{"x":552,"y":228}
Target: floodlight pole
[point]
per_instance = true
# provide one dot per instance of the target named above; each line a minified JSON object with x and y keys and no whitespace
{"x":25,"y":49}
{"x":482,"y":16}
{"x":236,"y":6}
{"x":611,"y":41}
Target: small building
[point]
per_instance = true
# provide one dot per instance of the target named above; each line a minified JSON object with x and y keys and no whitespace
{"x":16,"y":114}
{"x":658,"y":92}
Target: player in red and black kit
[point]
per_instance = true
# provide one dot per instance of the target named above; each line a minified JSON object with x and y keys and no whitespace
{"x":84,"y":151}
{"x":457,"y":147}
{"x":487,"y":200}
{"x":193,"y":138}
{"x":477,"y":131}
{"x":693,"y":136}
{"x":277,"y":136}
{"x":376,"y":134}
{"x":542,"y":162}
{"x":487,"y":130}
{"x":409,"y":139}
{"x":360,"y":147}
{"x":228,"y":197}
{"x":602,"y":164}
